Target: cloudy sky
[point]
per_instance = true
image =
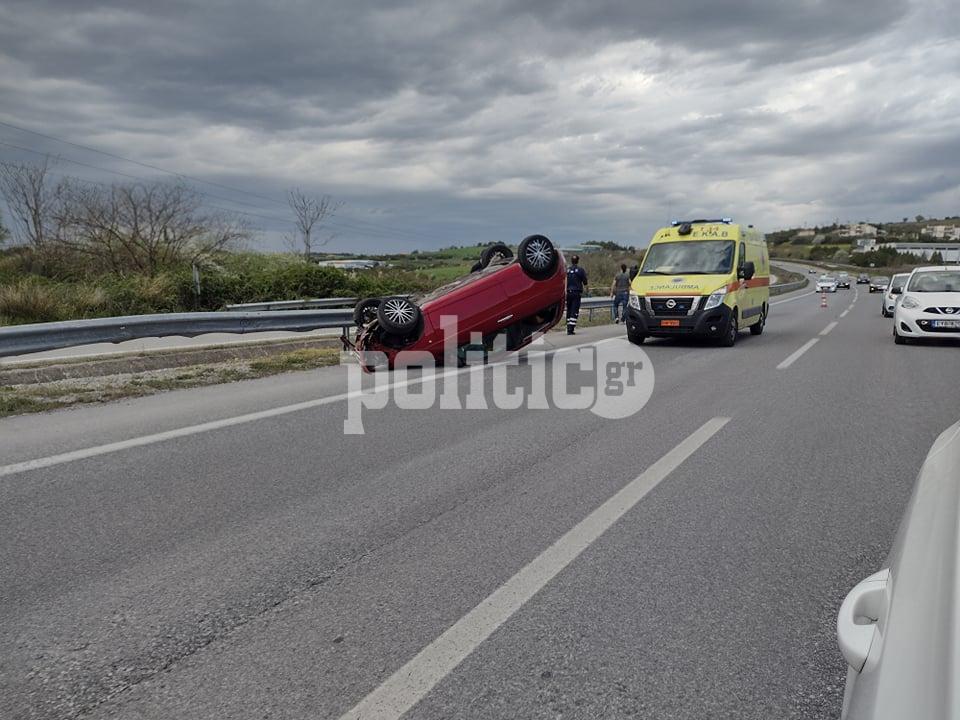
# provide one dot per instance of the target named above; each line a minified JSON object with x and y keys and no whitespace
{"x":440,"y":123}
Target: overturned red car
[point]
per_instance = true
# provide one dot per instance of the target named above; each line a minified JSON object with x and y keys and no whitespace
{"x":517,"y":298}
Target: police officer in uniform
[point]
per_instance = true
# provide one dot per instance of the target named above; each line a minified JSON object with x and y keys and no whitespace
{"x":576,"y":284}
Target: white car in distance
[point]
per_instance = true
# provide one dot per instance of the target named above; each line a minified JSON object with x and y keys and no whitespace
{"x":929,"y":306}
{"x":894,"y":290}
{"x":827,"y":283}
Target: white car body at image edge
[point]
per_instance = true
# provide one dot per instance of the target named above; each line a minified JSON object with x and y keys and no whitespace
{"x":894,"y":290}
{"x":826,"y":283}
{"x":929,"y":306}
{"x":897,"y":629}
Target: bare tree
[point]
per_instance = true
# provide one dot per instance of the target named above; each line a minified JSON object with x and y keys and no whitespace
{"x":143,"y":227}
{"x":308,"y":212}
{"x":33,"y":199}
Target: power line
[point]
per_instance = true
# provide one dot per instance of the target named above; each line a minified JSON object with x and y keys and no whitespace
{"x":364,"y":228}
{"x":373,"y":233}
{"x":138,"y":177}
{"x":141,"y":164}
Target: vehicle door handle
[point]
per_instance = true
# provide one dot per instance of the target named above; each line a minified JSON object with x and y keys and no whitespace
{"x":857,"y":620}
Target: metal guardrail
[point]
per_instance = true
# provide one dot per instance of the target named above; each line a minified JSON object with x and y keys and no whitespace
{"x":282,"y":316}
{"x":788,"y":287}
{"x":23,"y":339}
{"x":315,"y":304}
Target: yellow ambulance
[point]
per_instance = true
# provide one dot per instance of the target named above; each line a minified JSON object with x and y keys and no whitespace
{"x":708,"y":278}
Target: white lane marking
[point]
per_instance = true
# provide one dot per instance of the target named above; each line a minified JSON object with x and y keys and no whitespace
{"x":844,"y":313}
{"x":154,"y":438}
{"x":828,"y":328}
{"x":793,"y":358}
{"x":797,"y":297}
{"x":411,"y":683}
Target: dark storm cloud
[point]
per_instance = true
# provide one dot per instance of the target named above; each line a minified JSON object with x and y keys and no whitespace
{"x":599,"y":115}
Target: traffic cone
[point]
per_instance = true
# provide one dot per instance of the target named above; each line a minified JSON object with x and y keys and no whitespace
{"x":823,"y":300}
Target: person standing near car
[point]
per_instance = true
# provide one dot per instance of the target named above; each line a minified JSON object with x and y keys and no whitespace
{"x":634,"y":271}
{"x":619,"y":293}
{"x":576,"y":284}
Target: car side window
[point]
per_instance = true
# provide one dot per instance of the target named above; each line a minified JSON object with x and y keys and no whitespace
{"x":743,"y":255}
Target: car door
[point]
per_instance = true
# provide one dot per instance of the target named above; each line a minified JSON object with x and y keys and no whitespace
{"x":745,"y":296}
{"x":473,"y":305}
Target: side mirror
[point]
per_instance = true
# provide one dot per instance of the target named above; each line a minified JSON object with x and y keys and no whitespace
{"x":747,"y":271}
{"x":896,"y":291}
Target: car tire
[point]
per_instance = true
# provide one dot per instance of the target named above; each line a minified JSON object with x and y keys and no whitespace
{"x":494,"y":251}
{"x":398,"y":316}
{"x":757,"y":327}
{"x":898,"y":338}
{"x":538,"y":257}
{"x":729,"y":338}
{"x":365,"y":311}
{"x":636,"y":338}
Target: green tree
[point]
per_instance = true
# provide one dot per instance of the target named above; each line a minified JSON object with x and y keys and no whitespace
{"x":936,"y":258}
{"x":919,"y":218}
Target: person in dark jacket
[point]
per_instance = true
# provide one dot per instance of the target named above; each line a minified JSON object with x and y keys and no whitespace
{"x":576,"y":284}
{"x":620,"y":293}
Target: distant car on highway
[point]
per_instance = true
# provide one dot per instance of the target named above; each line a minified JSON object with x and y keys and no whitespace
{"x":843,"y":280}
{"x":812,"y":271}
{"x":520,"y":298}
{"x":827,"y":283}
{"x":893,"y":293}
{"x":897,"y":628}
{"x":929,"y":306}
{"x":879,"y":283}
{"x":863,"y":279}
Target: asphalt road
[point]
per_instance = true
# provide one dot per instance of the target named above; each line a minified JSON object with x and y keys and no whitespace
{"x":227,"y":552}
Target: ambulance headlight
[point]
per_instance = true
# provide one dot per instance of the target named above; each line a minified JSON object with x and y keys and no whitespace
{"x":715,"y":299}
{"x":634,"y":301}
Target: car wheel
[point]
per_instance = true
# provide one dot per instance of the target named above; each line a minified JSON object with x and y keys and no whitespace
{"x":636,"y":338}
{"x":398,"y":316}
{"x":898,"y":338}
{"x":733,"y":329}
{"x":365,"y":311}
{"x":757,"y":327}
{"x":493,"y":252}
{"x":538,"y":256}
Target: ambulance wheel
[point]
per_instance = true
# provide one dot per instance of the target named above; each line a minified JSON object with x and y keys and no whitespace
{"x":729,"y":338}
{"x":757,"y":327}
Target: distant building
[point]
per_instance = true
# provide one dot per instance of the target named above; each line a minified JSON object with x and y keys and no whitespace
{"x":352,"y":264}
{"x":857,"y":230}
{"x":943,"y":232}
{"x":581,"y":249}
{"x":950,"y":252}
{"x":804,"y":234}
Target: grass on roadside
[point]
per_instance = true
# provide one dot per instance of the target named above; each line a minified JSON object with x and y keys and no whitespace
{"x":22,"y":399}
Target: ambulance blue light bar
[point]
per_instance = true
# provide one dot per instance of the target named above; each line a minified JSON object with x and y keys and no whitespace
{"x":725,"y":221}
